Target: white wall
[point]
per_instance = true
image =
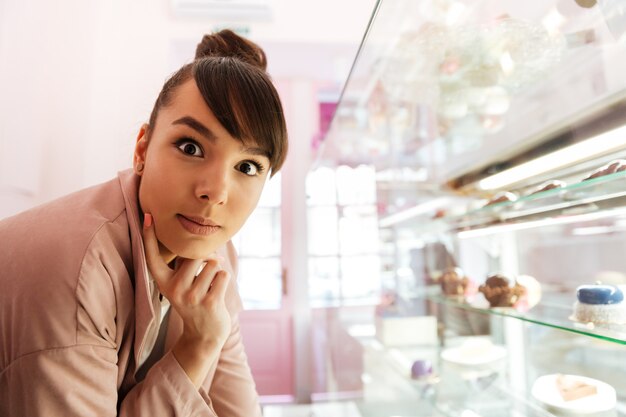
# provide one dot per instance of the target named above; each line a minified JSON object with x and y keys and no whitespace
{"x":80,"y":76}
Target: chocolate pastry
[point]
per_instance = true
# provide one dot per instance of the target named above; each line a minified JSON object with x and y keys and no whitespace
{"x":502,"y":197}
{"x":453,"y":282}
{"x":612,"y":167}
{"x":550,"y":185}
{"x":500,"y":291}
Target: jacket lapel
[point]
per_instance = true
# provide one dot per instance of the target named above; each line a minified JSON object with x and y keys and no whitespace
{"x":144,"y":311}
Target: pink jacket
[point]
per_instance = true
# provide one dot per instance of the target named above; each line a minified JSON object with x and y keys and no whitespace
{"x":75,"y":310}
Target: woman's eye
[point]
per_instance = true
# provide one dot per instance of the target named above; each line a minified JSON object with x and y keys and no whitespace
{"x":249,"y":168}
{"x":189,"y":148}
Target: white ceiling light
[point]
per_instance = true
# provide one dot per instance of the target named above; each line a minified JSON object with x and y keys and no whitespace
{"x":607,"y":142}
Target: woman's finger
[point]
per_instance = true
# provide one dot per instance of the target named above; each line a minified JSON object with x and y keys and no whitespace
{"x":220,"y":284}
{"x":200,"y":287}
{"x":186,"y":270}
{"x":156,"y":265}
{"x":205,"y":277}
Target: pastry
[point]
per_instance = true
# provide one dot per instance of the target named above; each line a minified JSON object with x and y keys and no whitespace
{"x":549,"y":185}
{"x":502,"y":197}
{"x":599,"y":303}
{"x":532,"y":293}
{"x":612,"y":167}
{"x":572,"y":388}
{"x":501,"y":291}
{"x":421,"y":369}
{"x":453,"y":282}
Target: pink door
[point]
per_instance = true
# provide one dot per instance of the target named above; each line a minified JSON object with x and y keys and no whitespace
{"x":267,"y":319}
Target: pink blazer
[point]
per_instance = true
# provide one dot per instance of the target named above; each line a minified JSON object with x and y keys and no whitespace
{"x":75,"y":310}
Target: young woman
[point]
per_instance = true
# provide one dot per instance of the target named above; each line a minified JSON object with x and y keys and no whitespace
{"x":121,"y":299}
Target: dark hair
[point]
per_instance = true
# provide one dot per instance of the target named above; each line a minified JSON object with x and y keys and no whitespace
{"x":230,"y":74}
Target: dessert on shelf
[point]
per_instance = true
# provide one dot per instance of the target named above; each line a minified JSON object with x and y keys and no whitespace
{"x":549,"y":185}
{"x":599,"y":303}
{"x":453,"y":282}
{"x":421,"y":369}
{"x":574,"y":394}
{"x":502,"y":197}
{"x":502,"y":291}
{"x":532,"y":293}
{"x":612,"y":167}
{"x":572,"y":388}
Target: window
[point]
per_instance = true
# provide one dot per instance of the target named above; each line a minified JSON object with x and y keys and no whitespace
{"x":258,"y":245}
{"x":344,"y":261}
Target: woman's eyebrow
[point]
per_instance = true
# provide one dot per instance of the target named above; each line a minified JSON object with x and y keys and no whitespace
{"x":197,"y":126}
{"x":256,"y":151}
{"x":212,"y":137}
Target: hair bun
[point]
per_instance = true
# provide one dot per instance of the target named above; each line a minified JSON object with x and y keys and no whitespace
{"x":227,"y":43}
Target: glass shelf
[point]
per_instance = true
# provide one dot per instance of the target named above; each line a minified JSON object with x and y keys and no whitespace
{"x":553,"y":312}
{"x":596,"y":198}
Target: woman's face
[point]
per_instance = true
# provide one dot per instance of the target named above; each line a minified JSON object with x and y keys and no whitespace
{"x":199,"y":183}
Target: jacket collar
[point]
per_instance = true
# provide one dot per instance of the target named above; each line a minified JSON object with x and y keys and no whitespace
{"x":144,"y":311}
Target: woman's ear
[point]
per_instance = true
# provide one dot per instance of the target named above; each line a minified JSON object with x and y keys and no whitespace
{"x":141,"y":147}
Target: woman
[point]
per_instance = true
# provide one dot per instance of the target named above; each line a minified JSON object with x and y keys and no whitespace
{"x":103,"y":311}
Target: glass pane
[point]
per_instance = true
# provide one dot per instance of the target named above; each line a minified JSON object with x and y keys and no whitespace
{"x":271,"y":193}
{"x":321,"y":188}
{"x":356,"y":186}
{"x":323,"y":280}
{"x":438,"y":83}
{"x":358,"y":230}
{"x":360,"y":277}
{"x":322,"y":231}
{"x":260,"y":283}
{"x":260,"y":236}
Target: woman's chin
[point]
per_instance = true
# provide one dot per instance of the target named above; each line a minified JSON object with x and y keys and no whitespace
{"x":196,"y":250}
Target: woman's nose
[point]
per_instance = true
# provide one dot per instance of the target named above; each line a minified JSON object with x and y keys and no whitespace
{"x":213,"y":186}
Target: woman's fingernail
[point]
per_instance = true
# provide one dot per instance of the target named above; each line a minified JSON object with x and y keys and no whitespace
{"x":147,"y":220}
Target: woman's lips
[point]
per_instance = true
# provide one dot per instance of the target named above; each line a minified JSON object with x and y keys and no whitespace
{"x":195,"y":227}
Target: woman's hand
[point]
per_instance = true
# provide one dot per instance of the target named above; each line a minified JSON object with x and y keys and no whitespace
{"x":199,"y":300}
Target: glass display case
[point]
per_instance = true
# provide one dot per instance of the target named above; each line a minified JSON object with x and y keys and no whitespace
{"x":496,"y":130}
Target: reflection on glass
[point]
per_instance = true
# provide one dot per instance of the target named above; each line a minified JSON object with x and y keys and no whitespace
{"x":441,"y":81}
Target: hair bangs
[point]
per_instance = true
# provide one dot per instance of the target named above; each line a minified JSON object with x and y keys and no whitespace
{"x":245,"y":102}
